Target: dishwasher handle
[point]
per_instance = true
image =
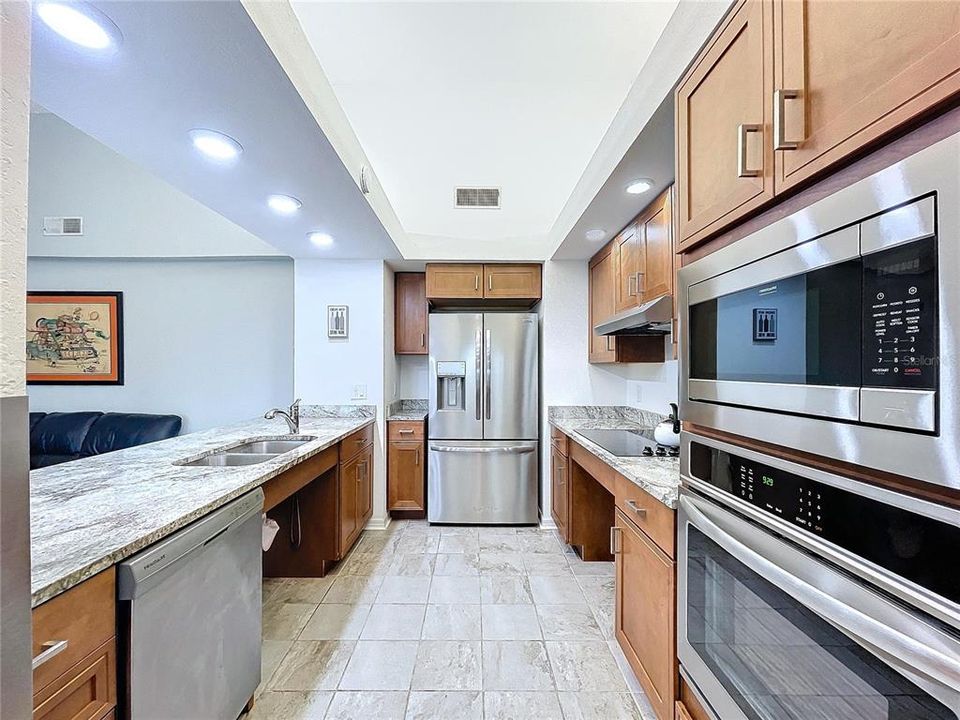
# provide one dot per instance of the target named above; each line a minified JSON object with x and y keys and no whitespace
{"x":143,"y":571}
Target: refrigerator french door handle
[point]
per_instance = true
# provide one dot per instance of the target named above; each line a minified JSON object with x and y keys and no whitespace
{"x":927,"y":666}
{"x":487,"y":371}
{"x":477,"y":346}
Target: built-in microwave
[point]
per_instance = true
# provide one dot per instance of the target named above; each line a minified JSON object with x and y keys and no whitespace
{"x":834,"y":330}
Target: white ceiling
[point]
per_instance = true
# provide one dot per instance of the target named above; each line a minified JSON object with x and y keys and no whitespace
{"x":512,"y":95}
{"x":204,"y":64}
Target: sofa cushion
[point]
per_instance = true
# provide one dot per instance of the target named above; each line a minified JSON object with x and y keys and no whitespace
{"x":61,"y":433}
{"x":116,"y":431}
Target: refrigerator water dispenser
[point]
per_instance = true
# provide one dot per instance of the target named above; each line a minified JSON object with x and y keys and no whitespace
{"x":451,"y":378}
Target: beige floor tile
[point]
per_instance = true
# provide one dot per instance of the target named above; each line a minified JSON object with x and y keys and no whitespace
{"x":598,"y":590}
{"x":312,"y":665}
{"x":455,"y":589}
{"x":521,"y":706}
{"x":400,"y":589}
{"x":393,"y":622}
{"x":505,"y":590}
{"x":271,"y":653}
{"x":584,"y":666}
{"x":447,"y":665}
{"x":492,"y":563}
{"x":599,"y":706}
{"x":367,"y":706}
{"x":299,"y":590}
{"x":451,"y":622}
{"x":290,"y":706}
{"x":500,"y":543}
{"x":516,"y":665}
{"x":284,"y":621}
{"x":418,"y":543}
{"x":555,"y":590}
{"x":546,"y":564}
{"x":412,"y":565}
{"x":445,"y":705}
{"x":372,"y":563}
{"x":568,"y":622}
{"x":596,"y":569}
{"x":510,"y":622}
{"x":336,"y":622}
{"x":539,"y":543}
{"x":459,"y":544}
{"x":457,"y":564}
{"x":380,"y":665}
{"x":354,"y":589}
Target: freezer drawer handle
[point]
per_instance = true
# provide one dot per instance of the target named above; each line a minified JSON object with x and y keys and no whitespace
{"x":510,"y":450}
{"x":51,"y":649}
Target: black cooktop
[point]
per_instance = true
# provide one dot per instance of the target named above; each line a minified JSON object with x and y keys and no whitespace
{"x":629,"y":443}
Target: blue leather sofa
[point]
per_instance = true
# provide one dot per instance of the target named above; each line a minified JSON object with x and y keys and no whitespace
{"x":62,"y":436}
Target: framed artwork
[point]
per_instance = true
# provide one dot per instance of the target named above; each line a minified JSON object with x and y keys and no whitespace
{"x":75,"y":338}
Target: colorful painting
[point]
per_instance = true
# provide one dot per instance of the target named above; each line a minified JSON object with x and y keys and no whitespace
{"x":75,"y":338}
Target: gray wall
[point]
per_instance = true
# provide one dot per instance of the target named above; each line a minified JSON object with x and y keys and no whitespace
{"x":209,"y":340}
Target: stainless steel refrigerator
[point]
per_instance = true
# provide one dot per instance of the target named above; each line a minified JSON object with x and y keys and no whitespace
{"x":482,"y":450}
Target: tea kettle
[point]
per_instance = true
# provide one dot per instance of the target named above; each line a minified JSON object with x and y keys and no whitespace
{"x":667,"y":433}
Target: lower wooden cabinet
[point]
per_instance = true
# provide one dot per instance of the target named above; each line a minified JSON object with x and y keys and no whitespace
{"x":688,"y":706}
{"x":77,"y":677}
{"x":406,"y":468}
{"x":646,"y":613}
{"x":559,"y":491}
{"x":355,"y":500}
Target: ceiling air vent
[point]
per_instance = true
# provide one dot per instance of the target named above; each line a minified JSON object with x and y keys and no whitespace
{"x":478,"y":197}
{"x":63,"y":226}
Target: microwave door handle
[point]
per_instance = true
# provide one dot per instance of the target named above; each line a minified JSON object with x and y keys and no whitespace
{"x":927,"y":666}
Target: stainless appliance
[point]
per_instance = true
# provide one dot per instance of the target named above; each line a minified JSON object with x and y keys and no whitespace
{"x":654,"y":317}
{"x":835,"y":319}
{"x":190,"y":618}
{"x":629,"y":443}
{"x":483,"y":426}
{"x":804,"y":595}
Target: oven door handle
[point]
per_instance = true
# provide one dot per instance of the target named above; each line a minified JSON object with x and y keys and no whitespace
{"x":910,"y":656}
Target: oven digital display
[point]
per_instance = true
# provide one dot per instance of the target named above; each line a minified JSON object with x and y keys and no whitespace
{"x":791,"y":499}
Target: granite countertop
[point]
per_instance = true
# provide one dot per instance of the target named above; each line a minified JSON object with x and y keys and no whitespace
{"x":89,"y":514}
{"x":409,"y":410}
{"x":658,"y":476}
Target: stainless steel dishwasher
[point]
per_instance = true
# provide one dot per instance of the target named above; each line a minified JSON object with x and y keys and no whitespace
{"x":190,"y":609}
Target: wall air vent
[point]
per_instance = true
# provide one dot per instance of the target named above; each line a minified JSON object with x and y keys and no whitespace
{"x":63,"y":225}
{"x":476,"y":197}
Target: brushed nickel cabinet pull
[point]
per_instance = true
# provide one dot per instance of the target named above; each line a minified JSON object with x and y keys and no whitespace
{"x":639,"y":287}
{"x":742,"y":131}
{"x":632,"y":504}
{"x":476,"y":282}
{"x":609,"y":339}
{"x":418,"y":457}
{"x":631,"y":281}
{"x":780,"y":141}
{"x":423,"y":339}
{"x":615,"y":547}
{"x":490,"y":282}
{"x":51,"y":649}
{"x":406,"y":431}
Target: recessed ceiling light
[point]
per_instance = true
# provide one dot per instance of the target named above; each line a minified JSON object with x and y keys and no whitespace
{"x":284,"y":204}
{"x":595,"y":235}
{"x":80,"y":23}
{"x":639,"y":186}
{"x":215,"y":145}
{"x":320,"y":239}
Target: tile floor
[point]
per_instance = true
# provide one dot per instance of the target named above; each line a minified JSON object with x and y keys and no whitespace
{"x":447,"y":623}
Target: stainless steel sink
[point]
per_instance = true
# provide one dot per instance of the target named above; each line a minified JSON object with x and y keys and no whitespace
{"x":271,"y":447}
{"x":224,"y":459}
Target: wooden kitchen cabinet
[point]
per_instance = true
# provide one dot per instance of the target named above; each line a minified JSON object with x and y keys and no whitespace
{"x":512,"y":281}
{"x":849,"y":72}
{"x":454,"y":281}
{"x":406,"y":468}
{"x":410,"y":314}
{"x":355,"y":497}
{"x":80,"y":681}
{"x":657,"y":276}
{"x":724,"y":152}
{"x":628,"y":251}
{"x":559,"y":489}
{"x":688,"y":706}
{"x":646,"y":613}
{"x":602,"y":293}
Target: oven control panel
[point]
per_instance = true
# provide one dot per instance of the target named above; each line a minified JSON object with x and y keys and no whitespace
{"x":787,"y":496}
{"x":900,"y":316}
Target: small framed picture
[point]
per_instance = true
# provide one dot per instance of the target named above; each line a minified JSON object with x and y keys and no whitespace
{"x":74,"y":338}
{"x":337,"y":321}
{"x":764,"y":324}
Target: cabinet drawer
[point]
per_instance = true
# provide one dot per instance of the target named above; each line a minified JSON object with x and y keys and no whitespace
{"x":84,"y":617}
{"x":405,"y":430}
{"x":559,"y":441}
{"x":355,"y":442}
{"x":647,"y":513}
{"x":87,"y":692}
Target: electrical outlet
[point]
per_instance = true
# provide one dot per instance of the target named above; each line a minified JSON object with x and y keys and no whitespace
{"x":359,"y":392}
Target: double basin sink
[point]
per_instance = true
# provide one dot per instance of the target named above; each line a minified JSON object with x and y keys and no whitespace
{"x":249,"y":452}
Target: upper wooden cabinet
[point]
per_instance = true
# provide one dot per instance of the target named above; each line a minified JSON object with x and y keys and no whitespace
{"x":509,"y":283}
{"x":657,"y":273}
{"x":724,"y":113}
{"x":786,"y":89}
{"x":628,"y":250}
{"x":410,"y":314}
{"x":848,"y":72}
{"x":602,"y":298}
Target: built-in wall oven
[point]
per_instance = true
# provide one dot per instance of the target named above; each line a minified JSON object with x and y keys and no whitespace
{"x":804,"y":595}
{"x":834,"y":330}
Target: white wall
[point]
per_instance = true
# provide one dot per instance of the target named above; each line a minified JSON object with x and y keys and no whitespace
{"x":325,"y":369}
{"x":413,"y":370}
{"x":209,"y":340}
{"x":566,"y":376}
{"x":127,"y":211}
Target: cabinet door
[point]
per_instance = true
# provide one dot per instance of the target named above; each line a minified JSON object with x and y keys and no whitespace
{"x":603,"y":290}
{"x":454,"y":280}
{"x":724,"y":153}
{"x":559,"y":498}
{"x":848,"y":72}
{"x":405,"y":475}
{"x":86,"y":692}
{"x":365,"y":489}
{"x":657,"y":277}
{"x":511,"y":281}
{"x":349,"y":493}
{"x":646,"y":614}
{"x":410,"y":308}
{"x":626,"y":250}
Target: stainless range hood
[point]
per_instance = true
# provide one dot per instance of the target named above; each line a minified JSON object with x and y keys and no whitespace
{"x":651,"y":318}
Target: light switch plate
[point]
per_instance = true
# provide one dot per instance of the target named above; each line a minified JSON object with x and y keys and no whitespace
{"x":359,"y":392}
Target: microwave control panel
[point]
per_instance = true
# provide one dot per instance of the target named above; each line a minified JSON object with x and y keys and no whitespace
{"x":900,"y":316}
